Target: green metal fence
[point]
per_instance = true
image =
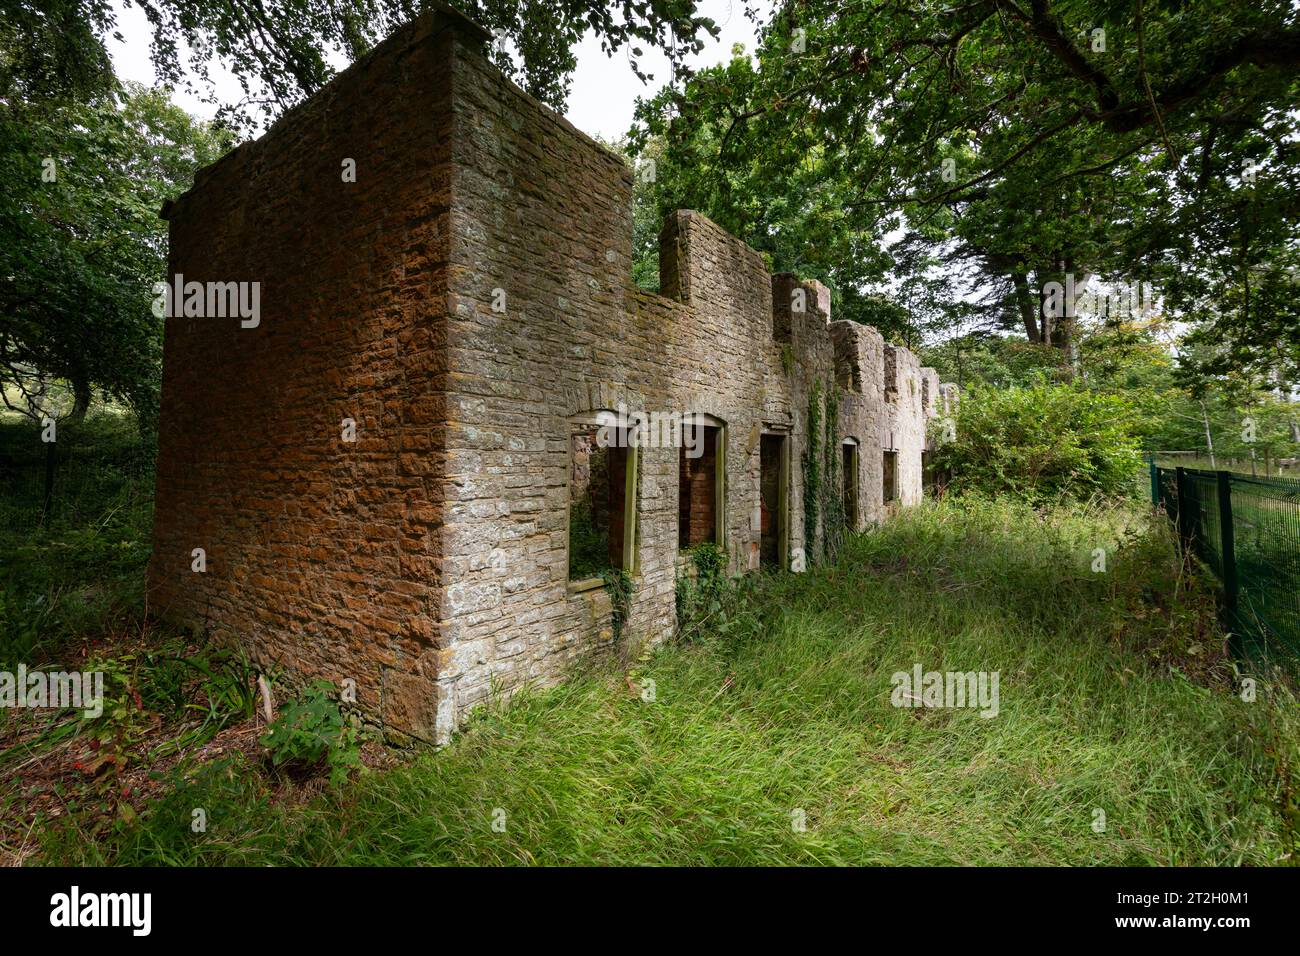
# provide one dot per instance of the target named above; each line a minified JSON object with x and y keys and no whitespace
{"x":1247,"y":530}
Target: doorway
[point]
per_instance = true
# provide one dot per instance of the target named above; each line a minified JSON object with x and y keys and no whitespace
{"x":849,"y":475}
{"x":772,"y":498}
{"x":891,"y":477}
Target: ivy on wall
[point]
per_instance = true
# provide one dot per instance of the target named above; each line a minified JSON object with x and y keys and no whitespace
{"x":812,"y":475}
{"x":619,"y":584}
{"x":822,"y":496}
{"x":833,"y":517}
{"x":701,"y":587}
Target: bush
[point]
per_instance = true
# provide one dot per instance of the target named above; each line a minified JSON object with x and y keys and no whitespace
{"x":1042,"y":442}
{"x":701,"y":587}
{"x":313,"y":730}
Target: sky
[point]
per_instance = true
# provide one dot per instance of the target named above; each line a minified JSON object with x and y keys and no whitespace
{"x":603,"y":92}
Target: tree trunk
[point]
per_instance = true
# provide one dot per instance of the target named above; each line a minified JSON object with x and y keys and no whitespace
{"x":1059,"y":329}
{"x":1025,"y":303}
{"x":1043,"y":276}
{"x":81,"y":396}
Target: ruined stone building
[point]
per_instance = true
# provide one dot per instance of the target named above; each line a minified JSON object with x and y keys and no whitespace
{"x":397,"y":474}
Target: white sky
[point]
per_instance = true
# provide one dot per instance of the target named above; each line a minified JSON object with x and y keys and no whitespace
{"x":603,"y":92}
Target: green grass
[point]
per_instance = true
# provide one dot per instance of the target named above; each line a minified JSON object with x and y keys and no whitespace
{"x":1113,"y":697}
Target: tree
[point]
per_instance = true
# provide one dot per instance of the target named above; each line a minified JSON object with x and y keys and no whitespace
{"x":54,"y":49}
{"x":81,"y":245}
{"x":1015,"y":142}
{"x":793,"y":214}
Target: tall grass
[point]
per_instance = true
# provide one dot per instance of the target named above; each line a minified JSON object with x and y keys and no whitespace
{"x":1114,"y":700}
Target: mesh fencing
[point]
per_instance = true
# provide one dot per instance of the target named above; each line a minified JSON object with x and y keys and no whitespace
{"x":1247,"y":531}
{"x":77,"y":473}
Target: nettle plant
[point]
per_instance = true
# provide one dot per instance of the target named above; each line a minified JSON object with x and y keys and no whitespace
{"x":701,"y":587}
{"x":312,"y":730}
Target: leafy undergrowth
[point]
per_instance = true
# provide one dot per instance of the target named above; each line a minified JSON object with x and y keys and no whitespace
{"x":1121,"y":735}
{"x":72,"y":600}
{"x":75,"y":574}
{"x":170,"y":710}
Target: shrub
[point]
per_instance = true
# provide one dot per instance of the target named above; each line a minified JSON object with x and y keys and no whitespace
{"x":701,"y":587}
{"x":1042,"y":442}
{"x":313,"y":730}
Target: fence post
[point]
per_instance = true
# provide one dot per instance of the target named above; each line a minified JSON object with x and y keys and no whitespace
{"x":1227,"y":537}
{"x":1180,"y":492}
{"x":1155,"y":483}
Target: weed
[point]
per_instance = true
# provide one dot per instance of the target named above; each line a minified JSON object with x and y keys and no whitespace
{"x":312,"y":730}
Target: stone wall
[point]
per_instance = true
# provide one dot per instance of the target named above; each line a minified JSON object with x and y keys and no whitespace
{"x":864,"y":414}
{"x":323,"y":556}
{"x":905,"y":420}
{"x":467,"y":301}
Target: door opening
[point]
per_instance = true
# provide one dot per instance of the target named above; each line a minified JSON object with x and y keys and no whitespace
{"x":772,"y":500}
{"x":850,"y":478}
{"x":891,"y":477}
